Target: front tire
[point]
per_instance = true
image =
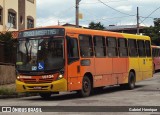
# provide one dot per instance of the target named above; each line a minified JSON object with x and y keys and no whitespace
{"x":45,"y":95}
{"x":86,"y":87}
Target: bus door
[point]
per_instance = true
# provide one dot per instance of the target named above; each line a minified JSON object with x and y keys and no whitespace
{"x":73,"y":65}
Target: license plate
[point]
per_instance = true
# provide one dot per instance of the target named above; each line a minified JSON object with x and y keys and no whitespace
{"x":38,"y":88}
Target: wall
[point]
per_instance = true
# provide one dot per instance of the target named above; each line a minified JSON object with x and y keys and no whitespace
{"x":7,"y":74}
{"x":10,"y":4}
{"x":21,"y":8}
{"x":30,"y":11}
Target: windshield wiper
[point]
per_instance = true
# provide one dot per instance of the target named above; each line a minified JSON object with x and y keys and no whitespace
{"x":27,"y":51}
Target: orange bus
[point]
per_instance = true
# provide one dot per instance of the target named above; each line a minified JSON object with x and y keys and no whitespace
{"x":56,"y":58}
{"x":156,"y":57}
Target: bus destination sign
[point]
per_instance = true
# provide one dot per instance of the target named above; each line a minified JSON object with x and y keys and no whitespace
{"x":40,"y":32}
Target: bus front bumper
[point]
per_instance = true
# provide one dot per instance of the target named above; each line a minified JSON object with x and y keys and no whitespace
{"x":55,"y":86}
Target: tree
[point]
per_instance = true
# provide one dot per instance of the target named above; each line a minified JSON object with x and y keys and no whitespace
{"x":96,"y":26}
{"x":154,"y":32}
{"x":9,"y":46}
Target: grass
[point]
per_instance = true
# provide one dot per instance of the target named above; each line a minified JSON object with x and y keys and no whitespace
{"x":8,"y":91}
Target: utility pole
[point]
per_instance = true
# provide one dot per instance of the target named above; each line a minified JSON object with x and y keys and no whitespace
{"x":77,"y":13}
{"x":58,"y":23}
{"x":137,"y":20}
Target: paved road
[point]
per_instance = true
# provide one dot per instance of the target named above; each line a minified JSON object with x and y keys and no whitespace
{"x":146,"y":93}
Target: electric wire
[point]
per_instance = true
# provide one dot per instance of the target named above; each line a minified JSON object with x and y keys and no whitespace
{"x":115,"y":9}
{"x":150,"y":14}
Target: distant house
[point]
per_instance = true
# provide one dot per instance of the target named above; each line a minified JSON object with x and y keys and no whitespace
{"x":72,"y":25}
{"x":132,"y":29}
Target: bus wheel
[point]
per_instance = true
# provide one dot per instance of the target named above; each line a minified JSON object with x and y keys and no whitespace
{"x":131,"y":81}
{"x":86,"y":87}
{"x":45,"y":95}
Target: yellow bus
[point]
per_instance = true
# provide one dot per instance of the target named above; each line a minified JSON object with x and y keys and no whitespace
{"x":56,"y":58}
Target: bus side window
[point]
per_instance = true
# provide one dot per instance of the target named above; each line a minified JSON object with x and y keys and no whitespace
{"x":99,"y":46}
{"x":141,"y":48}
{"x":154,"y":52}
{"x":72,"y":49}
{"x":86,"y":47}
{"x":148,"y":48}
{"x":132,"y":45}
{"x":122,"y":45}
{"x":157,"y":53}
{"x":111,"y":47}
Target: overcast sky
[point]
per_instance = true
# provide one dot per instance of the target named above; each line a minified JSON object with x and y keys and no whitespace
{"x":49,"y":12}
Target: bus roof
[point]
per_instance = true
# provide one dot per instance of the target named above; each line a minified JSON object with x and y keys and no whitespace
{"x":94,"y":32}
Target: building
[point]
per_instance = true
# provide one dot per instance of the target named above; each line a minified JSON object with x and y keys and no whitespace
{"x":72,"y":25}
{"x":17,"y":14}
{"x":132,"y":29}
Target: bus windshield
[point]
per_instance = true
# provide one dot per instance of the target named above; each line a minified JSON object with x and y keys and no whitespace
{"x":40,"y":54}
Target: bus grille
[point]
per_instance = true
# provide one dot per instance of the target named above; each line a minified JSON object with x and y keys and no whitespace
{"x":36,"y":81}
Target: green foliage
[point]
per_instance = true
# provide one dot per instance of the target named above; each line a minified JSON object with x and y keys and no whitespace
{"x":154,"y":32}
{"x":6,"y":37}
{"x":96,"y":26}
{"x":7,"y":91}
{"x":9,"y":45}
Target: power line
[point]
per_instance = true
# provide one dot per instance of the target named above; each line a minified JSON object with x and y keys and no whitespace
{"x":150,"y":14}
{"x":115,"y":9}
{"x":142,"y":22}
{"x":100,"y":19}
{"x":104,"y":19}
{"x":99,"y":2}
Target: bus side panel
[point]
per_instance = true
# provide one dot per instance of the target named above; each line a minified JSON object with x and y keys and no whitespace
{"x":74,"y":78}
{"x":156,"y":61}
{"x":134,"y":65}
{"x":120,"y":70}
{"x":145,"y":67}
{"x":103,"y":66}
{"x":116,"y":72}
{"x":149,"y":68}
{"x":103,"y":72}
{"x":120,"y":65}
{"x":102,"y":80}
{"x":76,"y":72}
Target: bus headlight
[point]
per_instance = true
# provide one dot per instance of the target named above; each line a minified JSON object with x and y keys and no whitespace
{"x":23,"y":77}
{"x":60,"y":76}
{"x":18,"y":77}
